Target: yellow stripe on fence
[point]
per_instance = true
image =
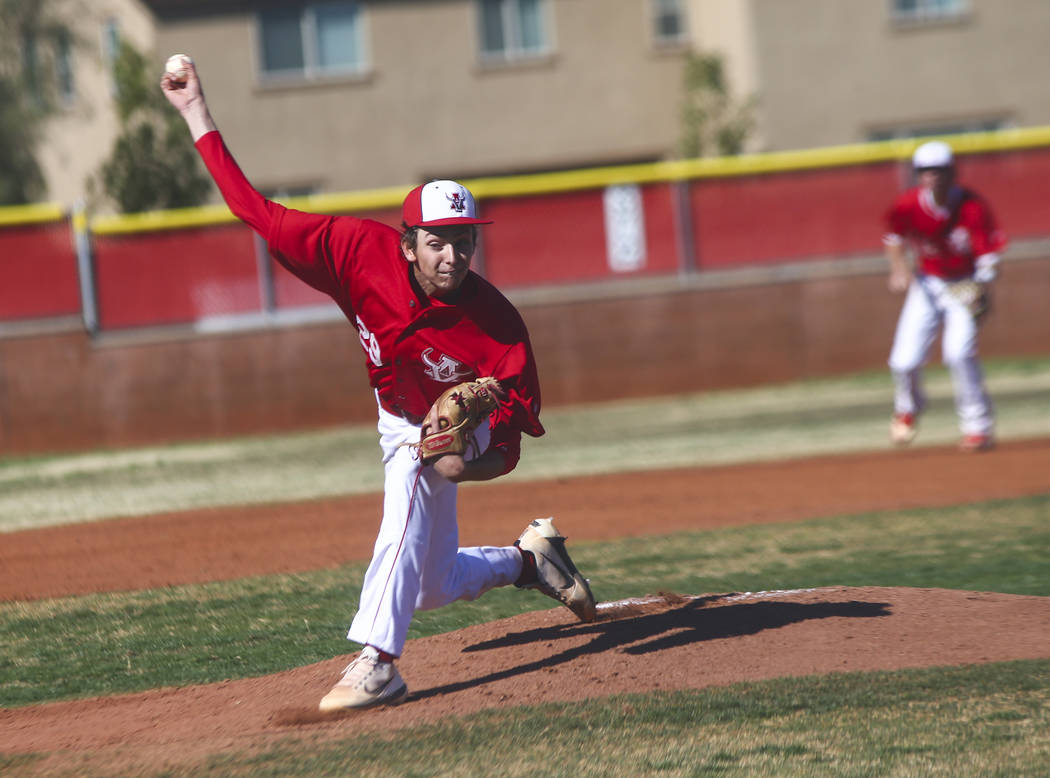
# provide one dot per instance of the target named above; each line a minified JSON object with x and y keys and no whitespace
{"x":177,"y":218}
{"x":751,"y":164}
{"x":570,"y":180}
{"x":14,"y":215}
{"x":209,"y":215}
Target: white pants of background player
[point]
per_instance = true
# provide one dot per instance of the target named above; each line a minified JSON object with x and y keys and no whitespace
{"x":927,"y":307}
{"x":417,"y":563}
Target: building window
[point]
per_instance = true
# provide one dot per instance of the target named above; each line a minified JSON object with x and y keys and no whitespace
{"x":110,"y":51}
{"x":948,"y":128}
{"x":928,"y":10}
{"x":668,"y":22}
{"x":512,"y":29}
{"x":318,"y":39}
{"x":64,"y":68}
{"x":31,"y":68}
{"x":47,"y":66}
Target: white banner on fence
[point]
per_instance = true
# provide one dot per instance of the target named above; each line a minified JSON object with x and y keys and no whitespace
{"x":624,"y":228}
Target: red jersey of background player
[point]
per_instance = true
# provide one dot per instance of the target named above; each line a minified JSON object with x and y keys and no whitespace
{"x":948,"y":239}
{"x":416,"y":346}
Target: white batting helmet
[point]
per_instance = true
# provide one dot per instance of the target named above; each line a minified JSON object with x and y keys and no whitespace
{"x":934,"y":153}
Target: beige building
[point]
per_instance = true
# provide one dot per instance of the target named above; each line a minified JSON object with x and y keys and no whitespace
{"x":336,"y":96}
{"x":843,"y":71}
{"x":397,"y":92}
{"x":79,"y":135}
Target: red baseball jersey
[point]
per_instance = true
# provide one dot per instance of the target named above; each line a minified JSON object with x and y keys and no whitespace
{"x":948,"y":239}
{"x":415,"y":346}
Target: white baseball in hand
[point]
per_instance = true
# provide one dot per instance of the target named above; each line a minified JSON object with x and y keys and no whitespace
{"x":176,"y":66}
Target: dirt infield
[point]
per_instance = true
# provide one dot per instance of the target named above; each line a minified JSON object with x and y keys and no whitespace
{"x":225,"y":543}
{"x":686,"y":641}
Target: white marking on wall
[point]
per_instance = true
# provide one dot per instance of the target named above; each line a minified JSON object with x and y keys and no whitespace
{"x":624,"y":228}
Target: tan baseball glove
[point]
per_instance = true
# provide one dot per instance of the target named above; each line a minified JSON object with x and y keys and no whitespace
{"x":973,"y":295}
{"x":458,"y":412}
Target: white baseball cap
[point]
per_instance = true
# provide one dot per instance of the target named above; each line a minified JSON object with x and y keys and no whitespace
{"x":934,"y":153}
{"x":440,"y":203}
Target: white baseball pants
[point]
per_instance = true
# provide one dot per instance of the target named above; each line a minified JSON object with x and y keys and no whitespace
{"x":927,"y":307}
{"x":416,"y":563}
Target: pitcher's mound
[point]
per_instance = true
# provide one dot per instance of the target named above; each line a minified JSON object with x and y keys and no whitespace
{"x":659,"y":642}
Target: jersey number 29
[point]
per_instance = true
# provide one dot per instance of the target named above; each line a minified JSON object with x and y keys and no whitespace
{"x":369,"y":343}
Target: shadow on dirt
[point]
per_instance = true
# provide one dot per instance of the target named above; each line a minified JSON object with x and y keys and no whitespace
{"x":695,"y":621}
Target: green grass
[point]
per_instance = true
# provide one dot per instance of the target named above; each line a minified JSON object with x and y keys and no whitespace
{"x":111,"y":643}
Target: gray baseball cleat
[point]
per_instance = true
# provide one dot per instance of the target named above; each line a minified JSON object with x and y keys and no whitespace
{"x":366,"y":682}
{"x":556,"y":575}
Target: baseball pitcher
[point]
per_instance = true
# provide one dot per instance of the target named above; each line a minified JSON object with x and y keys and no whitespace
{"x":455,"y":382}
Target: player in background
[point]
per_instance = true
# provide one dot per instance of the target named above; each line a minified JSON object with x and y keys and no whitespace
{"x":954,"y":238}
{"x":426,"y":323}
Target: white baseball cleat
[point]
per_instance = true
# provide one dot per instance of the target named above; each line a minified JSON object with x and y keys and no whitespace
{"x":903,"y":428}
{"x":556,"y":575}
{"x":366,"y":682}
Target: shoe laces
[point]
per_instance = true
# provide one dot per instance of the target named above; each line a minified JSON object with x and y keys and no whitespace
{"x":368,"y":664}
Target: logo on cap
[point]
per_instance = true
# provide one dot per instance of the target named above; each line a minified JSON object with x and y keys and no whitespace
{"x":457,"y":202}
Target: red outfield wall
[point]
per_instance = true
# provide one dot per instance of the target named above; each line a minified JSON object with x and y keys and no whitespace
{"x":171,"y":277}
{"x":161,"y":277}
{"x":560,"y":237}
{"x":75,"y":391}
{"x":555,"y":238}
{"x":65,"y":392}
{"x":39,"y":277}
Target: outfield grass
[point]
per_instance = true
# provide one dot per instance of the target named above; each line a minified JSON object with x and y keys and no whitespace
{"x":123,"y":642}
{"x":772,"y":422}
